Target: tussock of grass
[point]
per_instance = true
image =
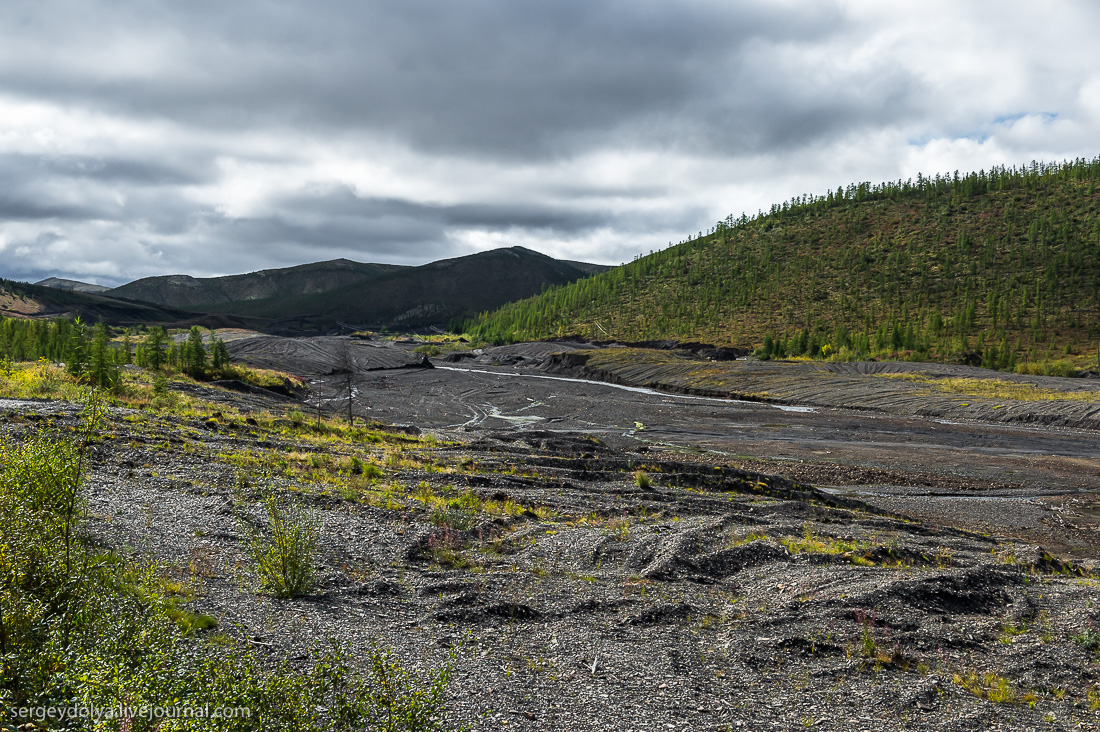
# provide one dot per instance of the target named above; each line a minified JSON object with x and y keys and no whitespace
{"x":994,"y":687}
{"x":810,"y":543}
{"x":466,"y":503}
{"x":856,"y":551}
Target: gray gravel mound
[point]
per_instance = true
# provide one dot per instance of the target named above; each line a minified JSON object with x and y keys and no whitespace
{"x":321,"y":355}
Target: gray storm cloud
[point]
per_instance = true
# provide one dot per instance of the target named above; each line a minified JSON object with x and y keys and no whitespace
{"x":210,"y":138}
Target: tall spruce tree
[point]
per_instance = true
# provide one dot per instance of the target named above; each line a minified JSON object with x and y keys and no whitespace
{"x":196,"y":353}
{"x":103,"y":372}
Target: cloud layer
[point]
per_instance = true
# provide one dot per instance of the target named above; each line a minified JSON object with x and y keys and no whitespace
{"x":211,"y":138}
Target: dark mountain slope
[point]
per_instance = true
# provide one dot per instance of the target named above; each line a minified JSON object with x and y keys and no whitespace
{"x":183,"y":291}
{"x":431,"y":294}
{"x":980,"y":268}
{"x":21,"y":299}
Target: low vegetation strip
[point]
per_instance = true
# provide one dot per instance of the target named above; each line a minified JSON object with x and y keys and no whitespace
{"x":1001,"y":390}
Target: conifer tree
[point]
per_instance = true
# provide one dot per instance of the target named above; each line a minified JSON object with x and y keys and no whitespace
{"x":155,"y":356}
{"x":219,"y":354}
{"x":102,"y":370}
{"x":76,"y":356}
{"x":196,"y":353}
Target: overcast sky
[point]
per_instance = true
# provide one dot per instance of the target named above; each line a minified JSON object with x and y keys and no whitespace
{"x":206,"y":138}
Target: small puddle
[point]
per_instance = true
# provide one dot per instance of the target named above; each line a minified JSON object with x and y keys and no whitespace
{"x":516,"y":419}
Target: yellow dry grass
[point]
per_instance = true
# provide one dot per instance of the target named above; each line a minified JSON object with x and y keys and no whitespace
{"x":998,"y":389}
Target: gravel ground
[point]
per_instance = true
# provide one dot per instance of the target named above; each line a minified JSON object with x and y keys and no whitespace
{"x":857,"y":450}
{"x":858,"y":386}
{"x":715,"y":598}
{"x":920,"y":588}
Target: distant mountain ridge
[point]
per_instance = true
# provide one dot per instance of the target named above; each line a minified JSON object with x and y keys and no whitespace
{"x":184,"y":291}
{"x":326,"y":296}
{"x":410,"y":297}
{"x":59,"y":283}
{"x":22,"y":300}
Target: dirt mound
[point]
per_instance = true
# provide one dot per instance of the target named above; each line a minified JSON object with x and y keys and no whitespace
{"x":518,"y":354}
{"x":663,"y":614}
{"x":286,"y":389}
{"x":977,"y":590}
{"x":484,"y":613}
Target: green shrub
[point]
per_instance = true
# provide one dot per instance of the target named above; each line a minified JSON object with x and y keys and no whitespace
{"x":285,"y":558}
{"x":387,"y":698}
{"x":641,"y":479}
{"x":1088,"y":639}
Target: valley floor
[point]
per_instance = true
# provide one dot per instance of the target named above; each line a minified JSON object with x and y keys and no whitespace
{"x":621,"y":559}
{"x":961,"y":446}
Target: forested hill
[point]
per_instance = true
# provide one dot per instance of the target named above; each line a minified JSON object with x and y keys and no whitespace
{"x":984,"y":267}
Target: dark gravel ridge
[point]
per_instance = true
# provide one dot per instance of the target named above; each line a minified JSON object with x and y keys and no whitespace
{"x":858,"y":386}
{"x":713,"y":599}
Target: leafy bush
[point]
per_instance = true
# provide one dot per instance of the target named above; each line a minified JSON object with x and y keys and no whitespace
{"x":388,"y":698}
{"x":1088,"y":639}
{"x":285,"y":559}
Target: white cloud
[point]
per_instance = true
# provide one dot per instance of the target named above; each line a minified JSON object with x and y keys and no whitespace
{"x":165,"y":139}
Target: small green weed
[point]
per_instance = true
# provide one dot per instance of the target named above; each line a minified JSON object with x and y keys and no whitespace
{"x":1088,"y":639}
